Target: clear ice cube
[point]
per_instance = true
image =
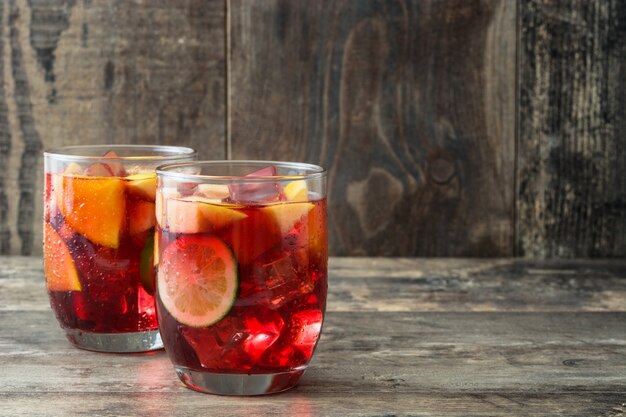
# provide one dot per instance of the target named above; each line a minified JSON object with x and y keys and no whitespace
{"x":284,"y":277}
{"x":257,"y":192}
{"x":264,"y":327}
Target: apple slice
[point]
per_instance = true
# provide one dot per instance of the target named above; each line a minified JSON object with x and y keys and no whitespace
{"x":59,"y":268}
{"x":216,"y":192}
{"x":196,"y":214}
{"x":163,"y":195}
{"x":94,"y":207}
{"x":296,"y":191}
{"x":73,"y":169}
{"x":140,"y":216}
{"x":287,"y":215}
{"x":142,"y":185}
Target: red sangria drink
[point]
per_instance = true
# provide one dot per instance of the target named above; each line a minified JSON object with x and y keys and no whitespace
{"x":99,"y":225}
{"x":242,"y":272}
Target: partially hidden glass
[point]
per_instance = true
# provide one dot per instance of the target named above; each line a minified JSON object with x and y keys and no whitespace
{"x":99,"y":221}
{"x":242,"y":272}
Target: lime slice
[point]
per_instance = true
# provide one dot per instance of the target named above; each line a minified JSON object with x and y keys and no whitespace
{"x":146,"y":264}
{"x":197,"y":280}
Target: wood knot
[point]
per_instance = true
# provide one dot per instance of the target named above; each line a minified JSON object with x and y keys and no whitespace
{"x":572,"y":362}
{"x":441,"y":170}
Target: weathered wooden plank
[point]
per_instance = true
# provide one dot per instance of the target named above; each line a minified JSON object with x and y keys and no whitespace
{"x":572,"y":155}
{"x":369,"y":361}
{"x":5,"y":145}
{"x":394,"y":284}
{"x":102,"y":72}
{"x":305,"y":404}
{"x":409,"y":104}
{"x":413,"y":364}
{"x":362,"y":352}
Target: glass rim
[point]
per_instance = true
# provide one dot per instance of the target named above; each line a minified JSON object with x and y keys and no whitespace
{"x":166,"y":171}
{"x":169,"y":153}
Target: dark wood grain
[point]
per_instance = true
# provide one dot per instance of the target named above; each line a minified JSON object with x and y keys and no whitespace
{"x":5,"y":146}
{"x":409,"y":104}
{"x":87,"y":72}
{"x":480,"y":346}
{"x":572,"y":153}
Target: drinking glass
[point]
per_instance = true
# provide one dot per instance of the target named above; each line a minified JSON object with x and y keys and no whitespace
{"x":99,"y":223}
{"x":242,"y":272}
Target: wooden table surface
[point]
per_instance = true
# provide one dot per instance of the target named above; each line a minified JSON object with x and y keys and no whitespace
{"x":402,"y":337}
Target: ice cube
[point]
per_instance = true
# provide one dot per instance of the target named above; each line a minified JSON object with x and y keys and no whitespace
{"x":257,"y":192}
{"x":288,"y":278}
{"x":284,"y":355}
{"x":283,"y":277}
{"x":264,"y":327}
{"x":305,"y":329}
{"x":204,"y":344}
{"x":106,"y":169}
{"x":220,"y":346}
{"x":116,"y":167}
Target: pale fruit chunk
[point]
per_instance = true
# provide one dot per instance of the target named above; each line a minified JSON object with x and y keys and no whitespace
{"x":140,"y":216}
{"x":163,"y":195}
{"x":197,"y":215}
{"x":142,"y":185}
{"x":296,"y":191}
{"x":94,"y":207}
{"x":287,"y":215}
{"x":213,"y":191}
{"x":59,"y":268}
{"x":73,"y":169}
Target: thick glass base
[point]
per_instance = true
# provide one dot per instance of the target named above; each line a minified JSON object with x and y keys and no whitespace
{"x":116,"y":342}
{"x":239,"y":384}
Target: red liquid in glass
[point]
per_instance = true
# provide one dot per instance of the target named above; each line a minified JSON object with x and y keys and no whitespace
{"x":276,"y":319}
{"x":112,"y":298}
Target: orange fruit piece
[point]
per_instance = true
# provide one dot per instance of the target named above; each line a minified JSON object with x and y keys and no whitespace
{"x":140,"y":216}
{"x":59,"y":268}
{"x":93,"y":206}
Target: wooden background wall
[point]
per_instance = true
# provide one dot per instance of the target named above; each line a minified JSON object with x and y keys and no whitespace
{"x":449,"y":127}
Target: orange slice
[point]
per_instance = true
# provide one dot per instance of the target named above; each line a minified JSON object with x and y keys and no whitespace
{"x":93,"y":206}
{"x":59,"y":268}
{"x":197,"y":280}
{"x":141,"y":216}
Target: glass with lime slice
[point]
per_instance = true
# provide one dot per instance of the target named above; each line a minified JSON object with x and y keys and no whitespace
{"x":241,"y":273}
